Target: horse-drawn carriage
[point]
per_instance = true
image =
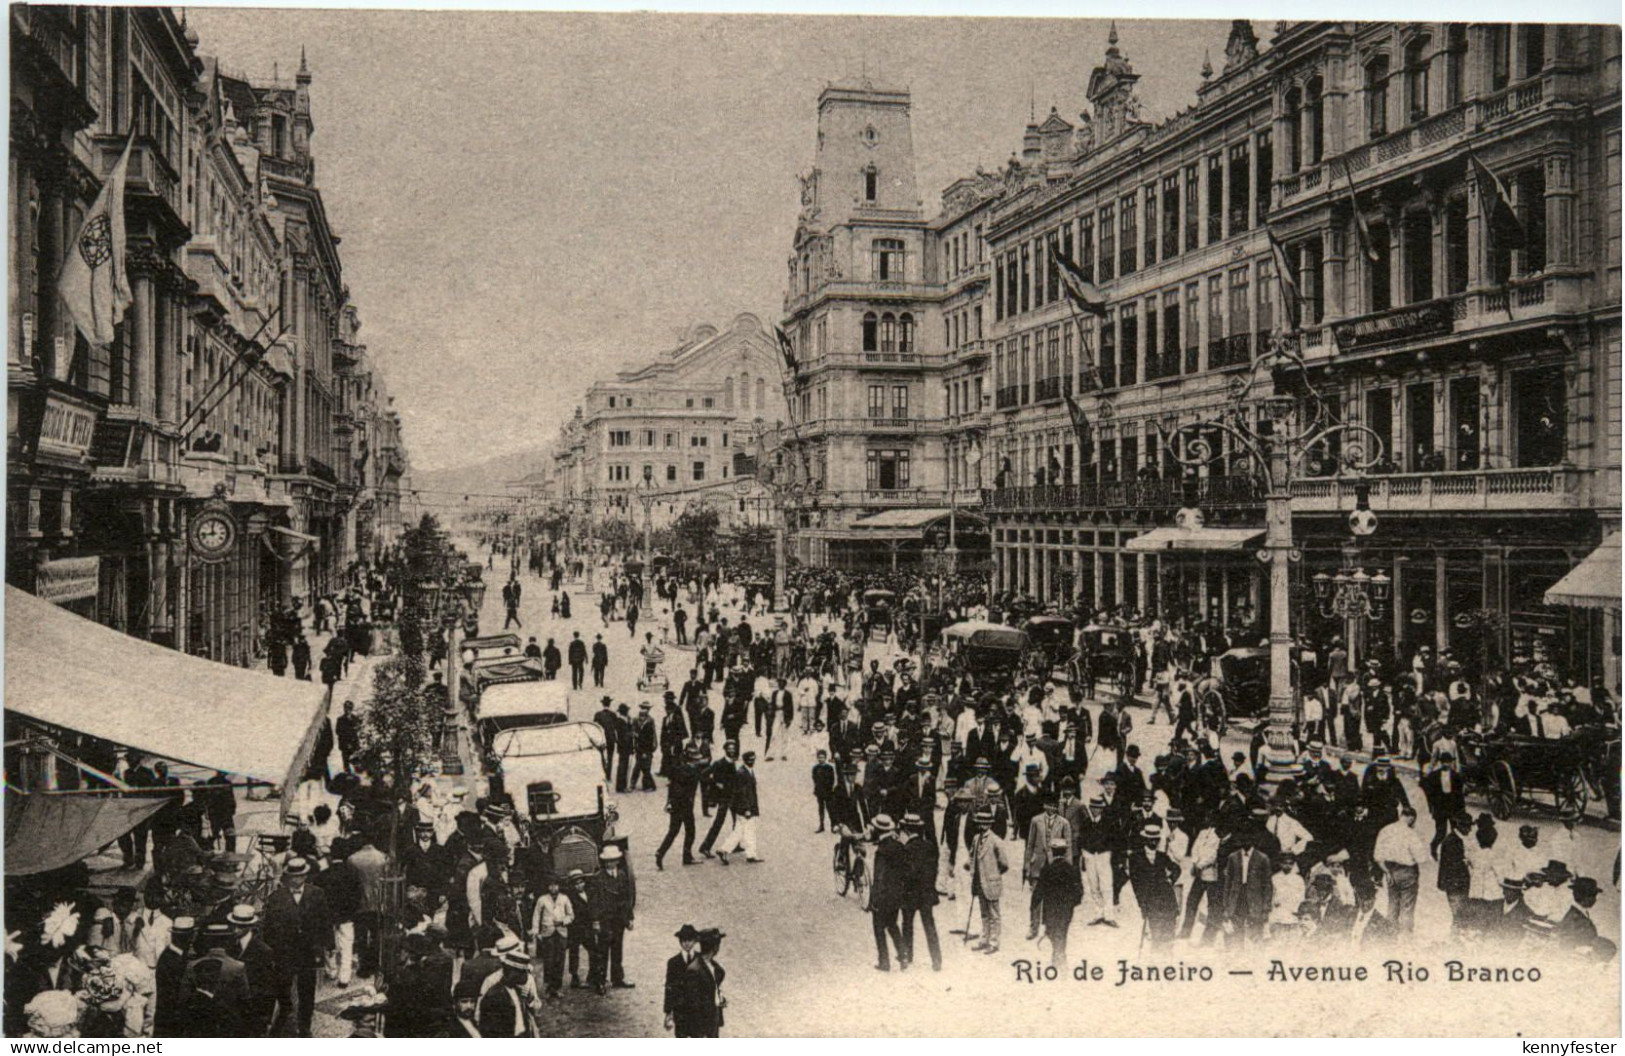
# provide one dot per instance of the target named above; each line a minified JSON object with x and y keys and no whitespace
{"x":1511,"y":770}
{"x":1051,"y":642}
{"x":1106,"y":653}
{"x":879,"y":609}
{"x":991,"y":653}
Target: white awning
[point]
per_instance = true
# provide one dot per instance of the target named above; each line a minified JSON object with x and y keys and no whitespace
{"x":67,"y":671}
{"x":1594,"y":582}
{"x":1171,"y":538}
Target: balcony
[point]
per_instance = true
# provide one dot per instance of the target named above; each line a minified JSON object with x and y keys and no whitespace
{"x":1048,"y":390}
{"x":1162,"y":367}
{"x":876,"y":425}
{"x":1490,"y":490}
{"x":150,"y":176}
{"x":976,"y":273}
{"x":1213,"y":492}
{"x":1007,"y":398}
{"x":1425,"y":137}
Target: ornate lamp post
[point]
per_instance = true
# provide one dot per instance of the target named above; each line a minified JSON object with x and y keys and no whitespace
{"x":646,"y":496}
{"x":1275,"y":452}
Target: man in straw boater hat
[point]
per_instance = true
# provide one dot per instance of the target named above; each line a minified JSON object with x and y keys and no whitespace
{"x":505,"y":1010}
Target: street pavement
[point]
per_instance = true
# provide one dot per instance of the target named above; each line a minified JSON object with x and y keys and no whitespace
{"x":801,"y":959}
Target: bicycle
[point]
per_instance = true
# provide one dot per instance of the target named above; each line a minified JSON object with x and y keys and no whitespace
{"x":851,"y":869}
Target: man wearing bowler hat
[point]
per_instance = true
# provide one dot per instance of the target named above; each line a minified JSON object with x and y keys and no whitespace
{"x":299,"y":930}
{"x":688,"y":945}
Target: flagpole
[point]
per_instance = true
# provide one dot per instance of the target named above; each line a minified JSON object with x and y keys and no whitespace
{"x":222,"y":378}
{"x":247,"y":370}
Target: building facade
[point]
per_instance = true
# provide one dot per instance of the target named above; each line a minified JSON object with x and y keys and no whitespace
{"x":668,"y":432}
{"x":1446,"y":199}
{"x":208,"y":464}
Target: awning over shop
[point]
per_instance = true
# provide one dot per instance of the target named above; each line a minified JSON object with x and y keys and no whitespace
{"x":1594,"y":582}
{"x":70,"y":672}
{"x":291,"y":537}
{"x":1171,"y":538}
{"x":45,"y":832}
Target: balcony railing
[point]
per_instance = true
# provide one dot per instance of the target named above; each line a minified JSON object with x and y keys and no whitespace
{"x":1007,"y":397}
{"x":1482,"y":489}
{"x":1046,"y":389}
{"x":1129,"y":494}
{"x":1159,"y":366}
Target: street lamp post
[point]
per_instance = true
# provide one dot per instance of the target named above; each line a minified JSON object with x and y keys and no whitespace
{"x":470,"y":593}
{"x":1274,"y":453}
{"x":646,"y":496}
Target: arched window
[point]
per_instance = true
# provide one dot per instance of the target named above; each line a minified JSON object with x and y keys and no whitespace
{"x":761,"y":394}
{"x":871,"y":337}
{"x":905,"y":333}
{"x":1416,"y":79}
{"x":886,"y":259}
{"x":1314,"y":116}
{"x":888,"y":333}
{"x":1455,"y":64}
{"x":871,"y":183}
{"x":1376,"y":97}
{"x":744,"y":390}
{"x":728,"y":392}
{"x":1292,"y":111}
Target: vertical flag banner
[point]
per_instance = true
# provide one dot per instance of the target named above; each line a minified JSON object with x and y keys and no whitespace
{"x":93,"y":284}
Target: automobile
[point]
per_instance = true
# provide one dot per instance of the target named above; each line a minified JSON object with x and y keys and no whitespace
{"x":554,"y":776}
{"x":526,"y":702}
{"x":989,"y":651}
{"x":478,"y":675}
{"x":490,"y":646}
{"x":878,"y":609}
{"x":1239,"y":685}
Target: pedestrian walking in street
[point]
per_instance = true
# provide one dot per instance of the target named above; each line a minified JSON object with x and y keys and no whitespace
{"x":348,"y":731}
{"x":697,"y":1011}
{"x":600,"y":661}
{"x":688,"y":947}
{"x":745,"y":803}
{"x":887,"y":885}
{"x":550,"y":929}
{"x":578,"y":660}
{"x":682,"y":783}
{"x":300,"y":931}
{"x":645,"y":738}
{"x":987,"y":866}
{"x":1056,"y":894}
{"x":612,"y":902}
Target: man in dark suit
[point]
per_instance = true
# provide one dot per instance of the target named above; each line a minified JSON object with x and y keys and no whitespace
{"x":688,"y":942}
{"x":1442,"y":788}
{"x":625,"y":745}
{"x":1454,"y":876}
{"x":605,"y":718}
{"x":348,"y":729}
{"x":691,"y":698}
{"x":824,"y":779}
{"x":917,"y":794}
{"x":214,"y":988}
{"x":264,"y":985}
{"x":682,"y":783}
{"x":169,"y":1012}
{"x":645,"y":739}
{"x":673,"y":734}
{"x":697,"y":1012}
{"x":1249,"y":893}
{"x":299,"y":930}
{"x":718,"y":781}
{"x":577,"y":657}
{"x":1506,"y":924}
{"x":133,"y":845}
{"x":846,"y":806}
{"x":612,"y":900}
{"x":1577,"y":932}
{"x":600,"y":661}
{"x":886,"y":894}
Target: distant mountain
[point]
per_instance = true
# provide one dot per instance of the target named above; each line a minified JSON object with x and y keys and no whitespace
{"x":491,"y":476}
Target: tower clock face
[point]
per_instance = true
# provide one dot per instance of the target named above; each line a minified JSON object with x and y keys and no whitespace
{"x":213,"y":534}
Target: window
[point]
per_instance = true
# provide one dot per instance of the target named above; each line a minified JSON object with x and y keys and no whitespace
{"x":1264,"y":144}
{"x":619,"y":472}
{"x":1086,"y":248}
{"x":887,"y":470}
{"x":871,"y":183}
{"x":1150,"y":225}
{"x":1464,"y":440}
{"x":671,"y":438}
{"x":1379,"y":418}
{"x":887,"y":260}
{"x":1012,"y":283}
{"x":998,"y":288}
{"x":1455,"y":245}
{"x":1215,"y":320}
{"x":1193,"y":189}
{"x":1376,"y":97}
{"x":1500,"y":45}
{"x":1264,"y":320}
{"x":1292,"y":125}
{"x":1416,"y":234}
{"x":1314,"y":119}
{"x":1378,"y":289}
{"x":1455,"y":64}
{"x":699,"y":440}
{"x":1416,"y":79}
{"x":1531,"y":205}
{"x":1052,"y":270}
{"x":1308,"y":259}
{"x":1108,"y":243}
{"x":1128,"y":229}
{"x":1215,"y":198}
{"x":871,"y":332}
{"x":1238,"y":301}
{"x":1193,"y":296}
{"x":1040,"y":272}
{"x":1108,"y":350}
{"x":1534,"y":48}
{"x":620,"y":438}
{"x":1026,"y":367}
{"x":877,"y":401}
{"x":1170,"y":332}
{"x":699,"y":471}
{"x":1170,"y":216}
{"x":899,"y":403}
{"x":1128,"y":345}
{"x":888,"y":333}
{"x":1238,"y":188}
{"x":708,"y":402}
{"x":1538,"y":400}
{"x":1026,"y":277}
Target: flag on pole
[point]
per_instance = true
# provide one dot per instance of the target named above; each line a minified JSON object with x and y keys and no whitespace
{"x":1080,"y":291}
{"x":1080,"y":421}
{"x":788,"y":350}
{"x":1291,"y":297}
{"x":92,"y":283}
{"x":1506,"y":230}
{"x":1361,"y":228}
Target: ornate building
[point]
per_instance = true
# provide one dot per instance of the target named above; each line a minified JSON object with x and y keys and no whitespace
{"x":1446,"y":202}
{"x":219,"y":455}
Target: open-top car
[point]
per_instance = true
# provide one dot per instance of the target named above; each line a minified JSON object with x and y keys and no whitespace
{"x":554,"y":776}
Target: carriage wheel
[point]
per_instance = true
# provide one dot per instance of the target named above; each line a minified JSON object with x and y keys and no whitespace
{"x":843,"y":878}
{"x":1571,"y":795}
{"x":1504,"y":798}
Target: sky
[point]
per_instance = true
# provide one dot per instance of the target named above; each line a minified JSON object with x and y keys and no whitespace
{"x":530,"y":201}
